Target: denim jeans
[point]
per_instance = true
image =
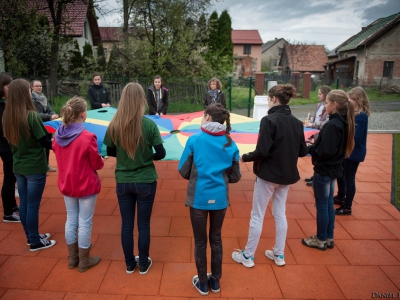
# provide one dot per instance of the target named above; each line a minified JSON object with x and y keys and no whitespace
{"x":323,"y":192}
{"x":78,"y":227}
{"x":8,"y":188}
{"x":30,"y":189}
{"x":347,"y":183}
{"x":198,"y":218}
{"x":129,"y":195}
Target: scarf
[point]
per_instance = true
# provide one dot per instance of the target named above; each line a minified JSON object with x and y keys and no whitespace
{"x":214,"y":95}
{"x":41,"y":98}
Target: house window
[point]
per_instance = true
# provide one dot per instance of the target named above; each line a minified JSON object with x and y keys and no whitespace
{"x":275,"y":62}
{"x":247,"y":49}
{"x":388,"y":68}
{"x":280,"y":50}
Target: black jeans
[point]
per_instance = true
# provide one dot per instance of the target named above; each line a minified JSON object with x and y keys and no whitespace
{"x":347,"y":184}
{"x":199,"y":224}
{"x":8,"y":188}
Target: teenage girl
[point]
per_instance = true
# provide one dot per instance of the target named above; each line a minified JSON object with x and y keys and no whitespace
{"x":98,"y":94}
{"x":131,"y":137}
{"x":157,"y":97}
{"x":280,"y":143}
{"x":207,"y":193}
{"x":347,"y":183}
{"x":214,"y":94}
{"x":78,"y":159}
{"x":30,"y":164}
{"x":335,"y":142}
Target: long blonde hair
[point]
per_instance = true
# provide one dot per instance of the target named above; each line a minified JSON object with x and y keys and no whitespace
{"x":71,"y":110}
{"x":345,"y":108}
{"x":359,"y":94}
{"x":19,"y":106}
{"x":126,"y":126}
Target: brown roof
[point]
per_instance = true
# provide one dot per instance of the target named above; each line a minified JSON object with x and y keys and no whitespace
{"x":306,"y":58}
{"x":74,"y":16}
{"x":111,"y":34}
{"x":246,"y":37}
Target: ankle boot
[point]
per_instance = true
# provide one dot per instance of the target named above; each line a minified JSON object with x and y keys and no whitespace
{"x":73,"y":255}
{"x":85,"y":261}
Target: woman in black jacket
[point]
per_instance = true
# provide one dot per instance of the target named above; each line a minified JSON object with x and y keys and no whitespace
{"x":214,"y":94}
{"x":98,"y":94}
{"x":157,"y":97}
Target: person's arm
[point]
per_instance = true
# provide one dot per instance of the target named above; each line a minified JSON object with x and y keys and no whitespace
{"x":93,"y":100}
{"x":39,"y":109}
{"x":150,"y":96}
{"x":165,"y":102}
{"x":361,"y":123}
{"x":222,"y":99}
{"x":45,"y":142}
{"x":96,"y":162}
{"x":160,"y":152}
{"x":186,"y":161}
{"x":234,"y":174}
{"x":111,"y":151}
{"x":264,"y":142}
{"x":108,"y":101}
{"x":328,"y":145}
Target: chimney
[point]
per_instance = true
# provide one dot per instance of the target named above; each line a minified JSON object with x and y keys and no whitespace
{"x":362,"y":28}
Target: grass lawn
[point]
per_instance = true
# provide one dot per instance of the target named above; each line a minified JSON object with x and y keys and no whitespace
{"x":396,"y":170}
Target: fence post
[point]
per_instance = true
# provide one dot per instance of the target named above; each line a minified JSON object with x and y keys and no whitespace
{"x":337,"y":83}
{"x":249,"y":102}
{"x":259,"y":84}
{"x":230,"y":93}
{"x":124,"y":80}
{"x":306,"y":85}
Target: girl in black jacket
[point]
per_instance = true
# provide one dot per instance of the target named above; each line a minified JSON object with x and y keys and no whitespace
{"x":157,"y":97}
{"x":214,"y":94}
{"x":335,"y":142}
{"x":98,"y":94}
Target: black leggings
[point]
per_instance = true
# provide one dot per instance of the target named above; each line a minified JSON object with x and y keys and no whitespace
{"x":199,"y":225}
{"x":8,"y":188}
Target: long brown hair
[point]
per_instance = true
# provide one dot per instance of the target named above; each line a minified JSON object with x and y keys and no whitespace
{"x":217,"y":83}
{"x":19,"y":106}
{"x":345,"y":108}
{"x":5,"y":79}
{"x":219,"y":114}
{"x":71,"y":110}
{"x":359,"y":94}
{"x":325,"y":90}
{"x":126,"y":126}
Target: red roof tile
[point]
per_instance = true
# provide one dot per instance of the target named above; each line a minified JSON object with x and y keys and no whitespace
{"x":111,"y":34}
{"x":246,"y":37}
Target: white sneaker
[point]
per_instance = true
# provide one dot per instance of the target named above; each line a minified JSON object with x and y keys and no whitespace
{"x":238,"y":256}
{"x":279,"y":259}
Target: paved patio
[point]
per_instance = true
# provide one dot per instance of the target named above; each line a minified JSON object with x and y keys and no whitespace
{"x":364,"y":262}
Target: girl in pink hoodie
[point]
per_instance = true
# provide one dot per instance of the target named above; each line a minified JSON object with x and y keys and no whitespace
{"x":78,"y":159}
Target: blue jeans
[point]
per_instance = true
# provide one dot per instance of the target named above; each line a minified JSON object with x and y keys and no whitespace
{"x":130,"y":194}
{"x":198,"y":218}
{"x":347,"y":183}
{"x":78,"y":227}
{"x":30,"y":189}
{"x":324,"y":187}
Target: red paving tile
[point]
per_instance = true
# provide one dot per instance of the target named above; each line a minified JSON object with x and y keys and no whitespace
{"x":365,"y":259}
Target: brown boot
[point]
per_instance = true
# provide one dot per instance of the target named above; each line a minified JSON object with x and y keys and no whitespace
{"x":85,"y":261}
{"x":73,"y":255}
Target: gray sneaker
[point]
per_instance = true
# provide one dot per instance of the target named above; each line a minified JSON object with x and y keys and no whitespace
{"x":279,"y":259}
{"x":313,"y":242}
{"x":329,"y":242}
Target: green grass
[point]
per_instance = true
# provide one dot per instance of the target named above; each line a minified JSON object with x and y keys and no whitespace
{"x":396,"y":170}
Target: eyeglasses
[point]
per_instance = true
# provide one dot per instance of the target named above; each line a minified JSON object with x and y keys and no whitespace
{"x":37,"y":86}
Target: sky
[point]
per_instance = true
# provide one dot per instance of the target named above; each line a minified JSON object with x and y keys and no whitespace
{"x":320,"y":22}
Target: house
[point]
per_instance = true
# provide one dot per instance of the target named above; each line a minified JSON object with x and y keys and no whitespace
{"x":303,"y":58}
{"x":79,"y":21}
{"x":370,"y":56}
{"x":247,"y":52}
{"x":110,"y":37}
{"x":271,"y":54}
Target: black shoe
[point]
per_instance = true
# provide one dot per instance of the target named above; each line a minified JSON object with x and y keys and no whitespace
{"x":309,"y":179}
{"x":343,"y":210}
{"x":130,"y":270}
{"x":338,"y":200}
{"x":44,"y":244}
{"x":201,"y":287}
{"x":144,"y":270}
{"x":42,"y":236}
{"x":214,"y":283}
{"x":310,"y":183}
{"x":14,"y":218}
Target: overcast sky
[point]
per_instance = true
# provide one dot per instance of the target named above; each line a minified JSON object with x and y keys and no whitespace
{"x":321,"y":22}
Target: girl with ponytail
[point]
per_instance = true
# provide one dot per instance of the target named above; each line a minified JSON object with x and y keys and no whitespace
{"x":335,"y":142}
{"x":209,"y":161}
{"x":78,"y":159}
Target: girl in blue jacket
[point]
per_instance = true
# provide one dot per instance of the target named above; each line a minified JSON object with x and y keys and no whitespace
{"x":209,"y":161}
{"x":347,"y":183}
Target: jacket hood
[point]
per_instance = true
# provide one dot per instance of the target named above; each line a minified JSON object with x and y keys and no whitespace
{"x":65,"y":135}
{"x":284,"y":108}
{"x":214,"y":128}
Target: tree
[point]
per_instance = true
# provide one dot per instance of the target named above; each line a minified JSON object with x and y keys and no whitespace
{"x":89,"y":63}
{"x":76,"y":60}
{"x":101,"y":59}
{"x":225,"y":34}
{"x":295,"y":54}
{"x":213,"y":32}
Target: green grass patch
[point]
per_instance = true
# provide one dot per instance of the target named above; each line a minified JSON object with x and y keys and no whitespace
{"x":396,"y":170}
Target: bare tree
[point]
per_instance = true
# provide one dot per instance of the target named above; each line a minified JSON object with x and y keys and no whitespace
{"x":295,"y":55}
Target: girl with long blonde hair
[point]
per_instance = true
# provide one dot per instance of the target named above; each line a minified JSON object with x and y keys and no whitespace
{"x":335,"y":142}
{"x":30,"y":164}
{"x":131,"y":137}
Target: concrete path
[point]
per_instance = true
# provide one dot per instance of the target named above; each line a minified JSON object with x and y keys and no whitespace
{"x":364,"y":264}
